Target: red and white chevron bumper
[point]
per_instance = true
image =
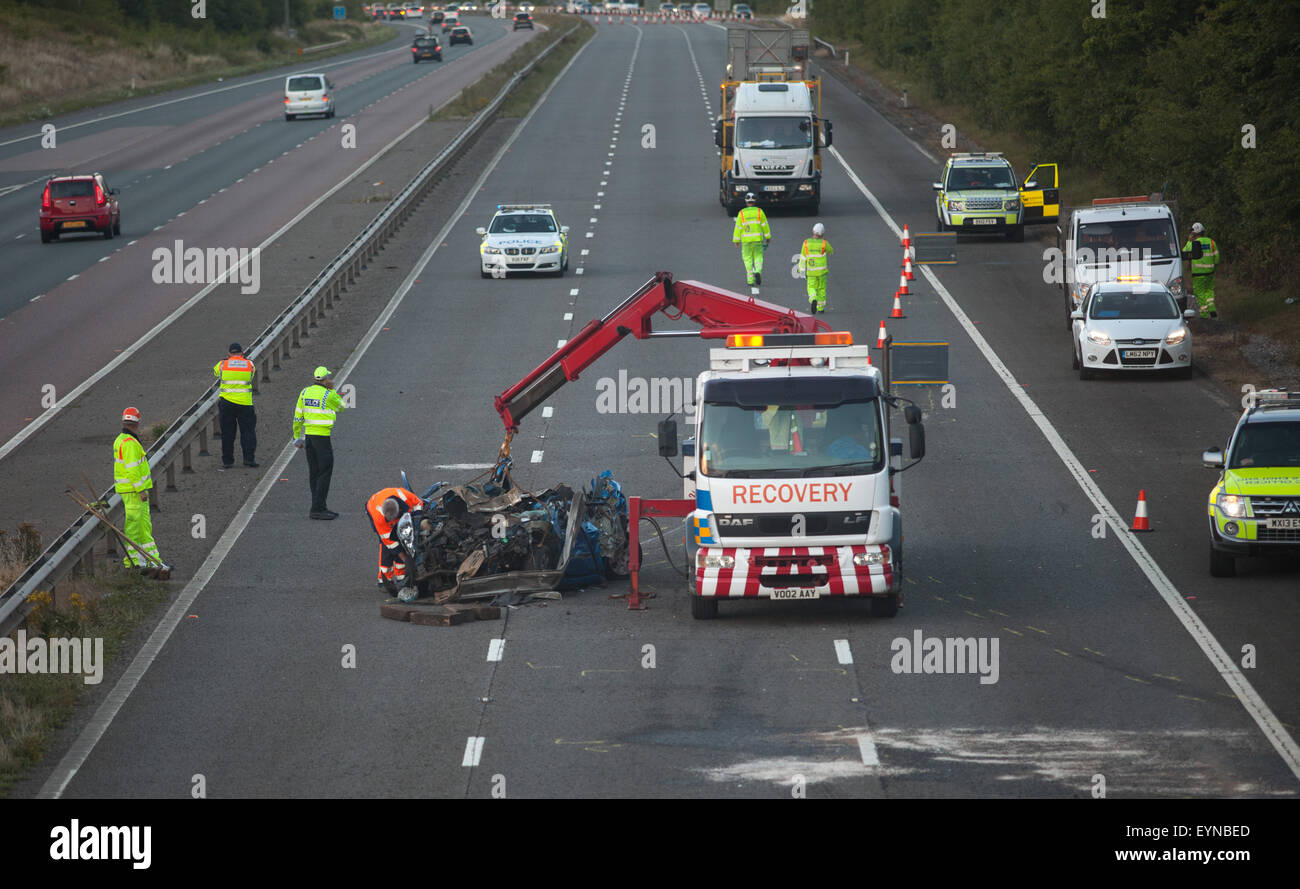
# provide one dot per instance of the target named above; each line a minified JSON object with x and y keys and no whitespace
{"x":831,"y":570}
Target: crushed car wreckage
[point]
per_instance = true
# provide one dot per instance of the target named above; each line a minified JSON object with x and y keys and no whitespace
{"x":494,"y":539}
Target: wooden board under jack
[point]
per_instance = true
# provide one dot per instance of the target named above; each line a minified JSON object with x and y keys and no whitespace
{"x":438,"y":615}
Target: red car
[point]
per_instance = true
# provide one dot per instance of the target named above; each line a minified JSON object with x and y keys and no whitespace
{"x":79,"y":204}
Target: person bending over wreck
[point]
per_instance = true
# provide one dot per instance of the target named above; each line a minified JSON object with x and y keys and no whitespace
{"x":385,"y":508}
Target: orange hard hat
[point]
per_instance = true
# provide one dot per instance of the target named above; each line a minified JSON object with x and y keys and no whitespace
{"x":131,"y":415}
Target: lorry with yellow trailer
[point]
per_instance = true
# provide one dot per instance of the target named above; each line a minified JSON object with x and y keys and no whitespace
{"x":770,"y":131}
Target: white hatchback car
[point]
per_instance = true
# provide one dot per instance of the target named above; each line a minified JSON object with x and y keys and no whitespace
{"x":523,"y":238}
{"x":308,"y":94}
{"x":1131,"y":326}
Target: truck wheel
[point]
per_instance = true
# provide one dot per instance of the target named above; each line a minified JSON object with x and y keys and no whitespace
{"x":705,"y":608}
{"x":1222,"y":564}
{"x":885,"y":606}
{"x":1016,"y":233}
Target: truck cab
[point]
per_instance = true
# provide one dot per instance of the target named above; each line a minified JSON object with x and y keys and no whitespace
{"x":793,"y":475}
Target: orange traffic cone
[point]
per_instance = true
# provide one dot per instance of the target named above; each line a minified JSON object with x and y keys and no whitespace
{"x":907,"y":266}
{"x":907,"y":236}
{"x":1140,"y":520}
{"x":898,"y":306}
{"x":880,"y":340}
{"x":902,"y":284}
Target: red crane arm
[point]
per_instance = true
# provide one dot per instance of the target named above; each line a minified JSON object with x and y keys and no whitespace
{"x":717,"y":312}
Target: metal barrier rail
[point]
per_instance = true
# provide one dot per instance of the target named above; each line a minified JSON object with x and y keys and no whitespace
{"x":75,"y":547}
{"x":826,"y":44}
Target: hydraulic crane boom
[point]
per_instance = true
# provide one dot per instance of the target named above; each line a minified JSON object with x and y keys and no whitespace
{"x":719,"y":313}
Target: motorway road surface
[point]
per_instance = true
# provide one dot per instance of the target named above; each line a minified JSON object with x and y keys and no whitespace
{"x":1098,"y":674}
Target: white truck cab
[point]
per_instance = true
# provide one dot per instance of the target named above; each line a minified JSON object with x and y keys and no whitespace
{"x":794,"y":474}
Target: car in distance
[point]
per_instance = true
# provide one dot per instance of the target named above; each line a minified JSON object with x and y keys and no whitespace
{"x":308,"y":94}
{"x":523,"y":20}
{"x":1135,"y":326}
{"x":742,"y":11}
{"x":449,"y":21}
{"x":460,"y":34}
{"x":426,"y":48}
{"x":1254,"y":510}
{"x":76,"y":204}
{"x":523,"y":238}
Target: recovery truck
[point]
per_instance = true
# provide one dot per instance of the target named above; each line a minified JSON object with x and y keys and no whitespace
{"x":795,"y":495}
{"x":770,"y":130}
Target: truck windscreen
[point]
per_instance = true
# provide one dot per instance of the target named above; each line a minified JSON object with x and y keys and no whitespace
{"x":782,"y":441}
{"x":1126,"y":239}
{"x":774,"y":132}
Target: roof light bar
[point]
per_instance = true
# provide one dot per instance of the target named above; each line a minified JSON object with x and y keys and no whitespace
{"x":778,"y":340}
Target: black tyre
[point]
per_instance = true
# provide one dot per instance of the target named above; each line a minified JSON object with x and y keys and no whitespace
{"x":117,"y":226}
{"x":938,"y":224}
{"x":108,"y":232}
{"x":483,"y":274}
{"x":1184,"y":373}
{"x":704,"y":607}
{"x":1222,"y":564}
{"x":415,"y":60}
{"x":885,"y":606}
{"x":813,"y":208}
{"x":288,"y":117}
{"x":1084,"y":373}
{"x":1074,"y":360}
{"x":46,"y":237}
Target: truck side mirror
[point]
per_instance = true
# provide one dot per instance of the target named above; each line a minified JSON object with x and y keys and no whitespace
{"x":916,"y":435}
{"x":667,"y":438}
{"x":912,"y":414}
{"x":830,"y":135}
{"x":717,"y":133}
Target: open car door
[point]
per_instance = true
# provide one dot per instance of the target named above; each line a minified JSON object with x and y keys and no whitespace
{"x":1042,"y":201}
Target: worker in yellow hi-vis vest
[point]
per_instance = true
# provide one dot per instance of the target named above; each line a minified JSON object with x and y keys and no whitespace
{"x":1203,"y":270}
{"x":235,"y":407}
{"x":132,"y":481}
{"x":812,"y":262}
{"x":752,"y":234}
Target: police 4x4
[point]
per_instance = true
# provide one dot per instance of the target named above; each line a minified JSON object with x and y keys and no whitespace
{"x":1254,"y":510}
{"x":978,"y":192}
{"x":523,"y":238}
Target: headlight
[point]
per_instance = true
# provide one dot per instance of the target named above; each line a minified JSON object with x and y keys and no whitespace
{"x":1013,"y":204}
{"x":1232,"y":505}
{"x":1096,"y":336}
{"x":555,"y":249}
{"x":1176,"y":286}
{"x":487,"y":249}
{"x":864,"y":559}
{"x":1176,"y":337}
{"x":406,"y":531}
{"x":957,"y":205}
{"x":707,"y":560}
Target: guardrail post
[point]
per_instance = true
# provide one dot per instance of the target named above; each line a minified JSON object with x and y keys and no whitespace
{"x":294,"y":335}
{"x":153,"y":499}
{"x":311,"y":316}
{"x":203,"y":442}
{"x":171,"y":476}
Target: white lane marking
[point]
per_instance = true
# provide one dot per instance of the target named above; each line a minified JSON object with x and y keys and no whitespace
{"x":592,"y":220}
{"x":568,"y":316}
{"x":50,"y":413}
{"x":473,"y":751}
{"x":63,"y":128}
{"x":548,"y":412}
{"x":74,"y":277}
{"x":537,"y":457}
{"x":591,"y":234}
{"x":577,"y":271}
{"x":494,"y":649}
{"x":1222,"y":662}
{"x":81,"y":749}
{"x":105,"y":258}
{"x":843,"y":652}
{"x":463,"y":465}
{"x":600,"y":194}
{"x":595,"y":206}
{"x":867,"y":750}
{"x":559,"y":344}
{"x":573,"y":291}
{"x":585,"y":251}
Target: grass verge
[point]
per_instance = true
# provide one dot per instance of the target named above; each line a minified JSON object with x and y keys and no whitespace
{"x":476,"y":97}
{"x":33,"y":706}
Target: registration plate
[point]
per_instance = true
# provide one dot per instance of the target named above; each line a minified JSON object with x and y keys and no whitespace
{"x":1139,"y":353}
{"x":794,"y":592}
{"x":1282,"y":523}
{"x":773,"y":188}
{"x":989,"y":221}
{"x":80,"y":223}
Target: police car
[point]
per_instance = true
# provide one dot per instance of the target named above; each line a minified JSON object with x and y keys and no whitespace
{"x":1254,"y":510}
{"x":523,"y":238}
{"x":1131,"y":325}
{"x":979,"y":192}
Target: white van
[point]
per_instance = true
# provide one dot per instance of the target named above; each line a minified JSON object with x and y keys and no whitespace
{"x":308,"y":94}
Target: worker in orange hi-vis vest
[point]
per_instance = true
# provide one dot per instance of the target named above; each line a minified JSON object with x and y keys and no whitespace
{"x":235,"y":407}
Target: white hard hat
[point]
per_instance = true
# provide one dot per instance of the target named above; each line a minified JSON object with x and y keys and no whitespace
{"x":749,"y":197}
{"x":819,"y":230}
{"x":1197,"y":228}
